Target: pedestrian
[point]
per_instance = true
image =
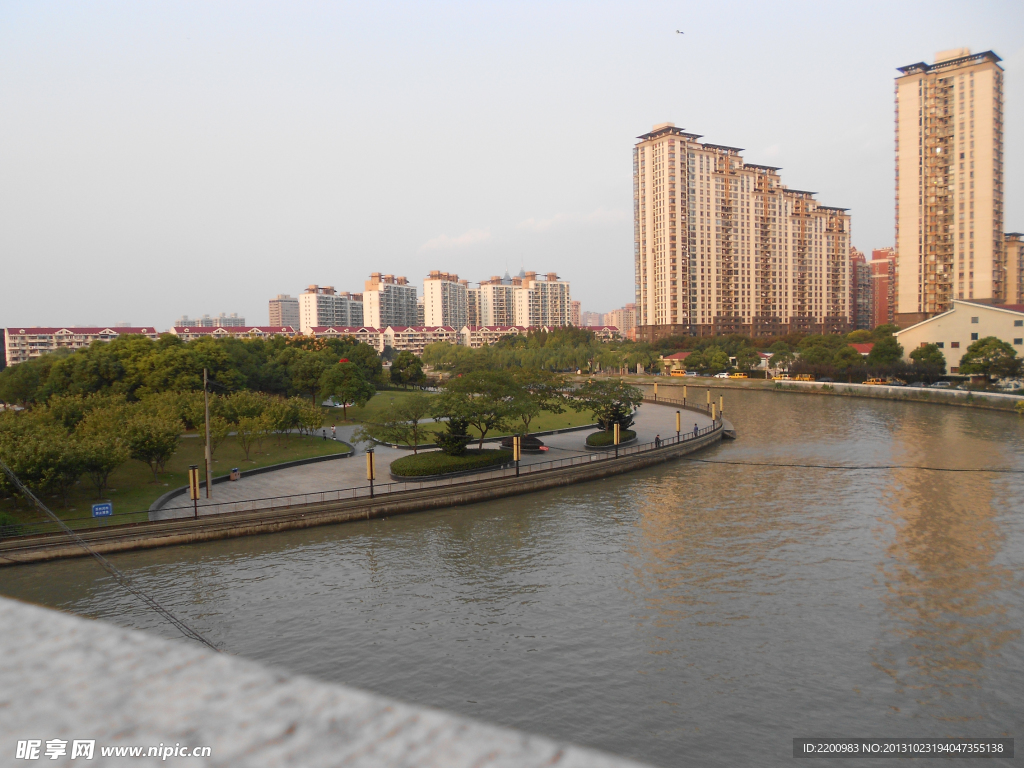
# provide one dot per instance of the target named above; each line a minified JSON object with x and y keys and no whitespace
{"x":696,"y":431}
{"x":334,"y":432}
{"x":657,"y":441}
{"x":325,"y":434}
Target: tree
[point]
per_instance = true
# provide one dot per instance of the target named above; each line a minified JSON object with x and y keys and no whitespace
{"x":881,"y":331}
{"x":151,"y":438}
{"x":929,"y":358}
{"x":399,"y":423}
{"x":310,"y":415}
{"x":846,"y":359}
{"x":747,"y":358}
{"x":818,"y":355}
{"x":347,"y":382}
{"x":220,"y":428}
{"x":102,"y":447}
{"x":281,"y":416}
{"x":537,"y":391}
{"x":247,"y":432}
{"x":610,"y":402}
{"x":307,"y":371}
{"x":407,"y":369}
{"x":991,"y":357}
{"x":483,"y":400}
{"x":782,"y":355}
{"x":887,"y":351}
{"x":454,"y":439}
{"x":859,"y":336}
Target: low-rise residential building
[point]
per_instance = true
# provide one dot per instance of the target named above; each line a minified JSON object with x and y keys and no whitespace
{"x":284,"y":310}
{"x":956,"y":329}
{"x":674,"y":362}
{"x":415,"y":338}
{"x":373,"y":337}
{"x":602,"y":332}
{"x":190,"y":333}
{"x":21,"y":344}
{"x":479,"y":336}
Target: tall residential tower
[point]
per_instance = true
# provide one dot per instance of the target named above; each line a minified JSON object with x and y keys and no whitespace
{"x":722,"y":246}
{"x":949,"y":183}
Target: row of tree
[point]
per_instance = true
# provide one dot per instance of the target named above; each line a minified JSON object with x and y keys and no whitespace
{"x":52,"y":446}
{"x":498,"y":402}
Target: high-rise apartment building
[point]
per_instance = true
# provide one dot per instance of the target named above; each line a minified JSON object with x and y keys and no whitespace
{"x":389,"y":300}
{"x":949,"y":183}
{"x":221,"y":321}
{"x":473,"y":317}
{"x":722,"y":246}
{"x":591,"y":318}
{"x":284,"y":310}
{"x":861,"y":301}
{"x":322,"y":306}
{"x":496,"y":306}
{"x":574,"y":313}
{"x":883,"y":286}
{"x":445,"y":300}
{"x":623,"y":318}
{"x":537,"y":302}
{"x":1013,"y":260}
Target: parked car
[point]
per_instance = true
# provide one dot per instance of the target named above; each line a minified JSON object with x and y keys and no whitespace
{"x":722,"y":375}
{"x":941,"y":385}
{"x":738,"y":376}
{"x":691,"y":373}
{"x":918,"y":384}
{"x":804,"y":377}
{"x":781,"y":377}
{"x":827,"y":380}
{"x":879,"y":382}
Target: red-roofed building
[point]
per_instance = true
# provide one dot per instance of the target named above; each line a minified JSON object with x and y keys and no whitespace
{"x":414,"y":338}
{"x":363,"y":334}
{"x":190,"y":332}
{"x":478,"y":336}
{"x":21,"y":344}
{"x":864,"y":349}
{"x":674,"y":362}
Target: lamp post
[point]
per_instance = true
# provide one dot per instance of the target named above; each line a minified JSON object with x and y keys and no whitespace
{"x":206,"y":406}
{"x":371,"y":469}
{"x":517,"y":449}
{"x":684,"y":395}
{"x":616,"y":434}
{"x":721,"y":404}
{"x":679,"y":425}
{"x":655,"y":391}
{"x":193,"y":488}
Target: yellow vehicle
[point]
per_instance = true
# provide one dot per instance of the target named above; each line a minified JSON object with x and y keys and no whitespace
{"x":677,"y":373}
{"x":804,"y":377}
{"x":781,"y":377}
{"x":738,"y":376}
{"x":882,"y":382}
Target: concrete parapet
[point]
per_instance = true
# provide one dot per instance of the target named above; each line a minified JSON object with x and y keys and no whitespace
{"x":63,"y":677}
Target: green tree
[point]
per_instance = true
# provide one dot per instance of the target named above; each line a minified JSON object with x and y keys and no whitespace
{"x":537,"y":391}
{"x":307,"y":371}
{"x":818,"y":355}
{"x":881,"y":331}
{"x":886,"y":351}
{"x":407,"y":369}
{"x":747,"y":358}
{"x":929,"y":358}
{"x":44,"y":457}
{"x":991,"y":357}
{"x":347,"y":382}
{"x":482,"y":399}
{"x":400,"y":423}
{"x":311,"y":416}
{"x":610,"y":402}
{"x":847,"y":359}
{"x":151,"y":438}
{"x":220,"y":428}
{"x":859,"y":336}
{"x":455,"y":437}
{"x":102,"y":447}
{"x":247,"y":432}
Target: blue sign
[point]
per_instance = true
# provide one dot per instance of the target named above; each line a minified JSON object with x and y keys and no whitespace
{"x":103,"y":509}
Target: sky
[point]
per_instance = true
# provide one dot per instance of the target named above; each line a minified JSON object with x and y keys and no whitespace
{"x":160,"y":159}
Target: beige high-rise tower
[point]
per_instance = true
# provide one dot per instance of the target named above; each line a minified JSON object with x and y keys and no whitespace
{"x":723,"y":246}
{"x":949,"y":183}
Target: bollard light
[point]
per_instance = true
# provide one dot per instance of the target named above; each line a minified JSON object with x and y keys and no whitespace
{"x":371,"y":469}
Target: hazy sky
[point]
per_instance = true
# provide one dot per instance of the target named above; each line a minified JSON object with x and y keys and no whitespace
{"x":166,"y":158}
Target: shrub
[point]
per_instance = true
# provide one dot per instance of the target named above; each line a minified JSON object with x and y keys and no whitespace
{"x":8,"y":526}
{"x":440,"y":463}
{"x":608,"y":438}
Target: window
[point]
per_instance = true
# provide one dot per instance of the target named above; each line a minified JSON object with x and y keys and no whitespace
{"x":974,"y":337}
{"x":1018,"y":342}
{"x":939,"y":344}
{"x":954,"y":345}
{"x":1018,"y":323}
{"x":974,"y":320}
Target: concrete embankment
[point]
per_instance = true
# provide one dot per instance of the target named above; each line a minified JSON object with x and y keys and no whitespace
{"x":165,"y":533}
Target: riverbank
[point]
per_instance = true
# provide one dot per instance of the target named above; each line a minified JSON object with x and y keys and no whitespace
{"x":362,"y":503}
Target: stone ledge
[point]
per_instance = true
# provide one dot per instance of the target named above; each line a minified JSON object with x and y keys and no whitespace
{"x":63,"y":677}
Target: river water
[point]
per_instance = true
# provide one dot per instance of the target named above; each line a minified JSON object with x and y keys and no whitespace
{"x":690,"y":614}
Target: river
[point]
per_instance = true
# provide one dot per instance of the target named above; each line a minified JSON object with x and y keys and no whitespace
{"x":690,"y":614}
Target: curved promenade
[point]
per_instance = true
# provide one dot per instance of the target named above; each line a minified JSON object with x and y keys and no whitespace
{"x":325,"y":507}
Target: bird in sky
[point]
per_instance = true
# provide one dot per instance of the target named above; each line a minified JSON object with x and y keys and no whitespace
{"x":680,"y":33}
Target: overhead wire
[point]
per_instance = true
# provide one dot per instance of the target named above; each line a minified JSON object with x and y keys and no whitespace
{"x":120,"y":577}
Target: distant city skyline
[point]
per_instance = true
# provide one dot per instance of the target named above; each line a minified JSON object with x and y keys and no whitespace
{"x":225,"y":153}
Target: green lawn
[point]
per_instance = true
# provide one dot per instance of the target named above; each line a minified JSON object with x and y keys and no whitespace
{"x":136,"y":488}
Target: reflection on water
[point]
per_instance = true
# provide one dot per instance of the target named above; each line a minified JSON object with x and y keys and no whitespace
{"x":692,"y":612}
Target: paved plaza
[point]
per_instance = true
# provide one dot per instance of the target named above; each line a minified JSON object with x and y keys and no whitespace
{"x":651,"y":420}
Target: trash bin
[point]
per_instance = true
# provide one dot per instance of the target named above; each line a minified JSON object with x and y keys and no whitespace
{"x":235,"y":474}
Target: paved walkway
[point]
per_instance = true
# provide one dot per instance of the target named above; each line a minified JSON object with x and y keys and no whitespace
{"x":651,"y":420}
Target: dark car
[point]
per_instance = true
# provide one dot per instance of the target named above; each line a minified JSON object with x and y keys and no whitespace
{"x":826,"y":380}
{"x":918,"y":384}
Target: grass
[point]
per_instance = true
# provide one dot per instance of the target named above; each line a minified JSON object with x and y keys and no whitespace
{"x":602,"y":438}
{"x":439,"y":463}
{"x":136,"y":489}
